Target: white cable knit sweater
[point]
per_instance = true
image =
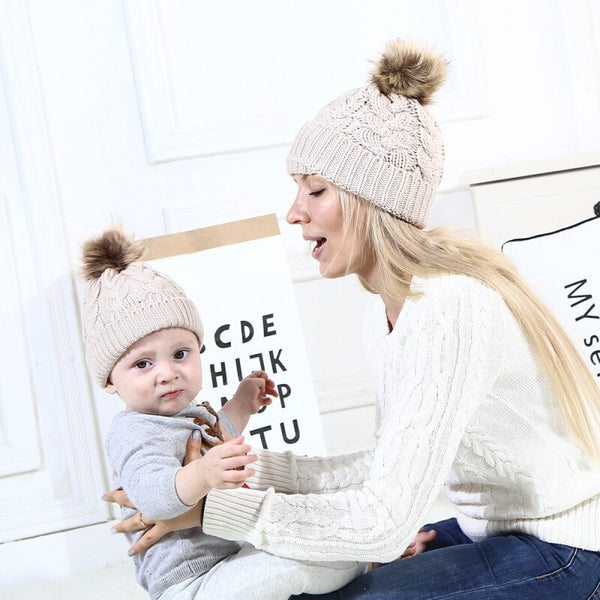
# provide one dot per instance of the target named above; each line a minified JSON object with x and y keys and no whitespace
{"x":461,"y":403}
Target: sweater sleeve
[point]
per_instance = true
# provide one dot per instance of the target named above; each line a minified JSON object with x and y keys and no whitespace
{"x":290,"y":474}
{"x":227,"y":424}
{"x":447,"y":351}
{"x":144,"y":456}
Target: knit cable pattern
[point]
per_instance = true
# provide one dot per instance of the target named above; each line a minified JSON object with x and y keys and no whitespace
{"x":458,"y":390}
{"x":435,"y":386}
{"x":121,"y":308}
{"x":387,"y":150}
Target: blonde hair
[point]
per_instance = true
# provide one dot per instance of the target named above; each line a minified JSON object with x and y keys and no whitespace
{"x":402,"y":251}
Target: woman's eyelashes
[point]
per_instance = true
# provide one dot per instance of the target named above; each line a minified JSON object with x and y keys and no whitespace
{"x":317,"y":192}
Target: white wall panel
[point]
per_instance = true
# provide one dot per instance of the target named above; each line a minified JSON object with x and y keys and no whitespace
{"x":228,"y":78}
{"x":51,"y":466}
{"x":19,"y":437}
{"x":581,"y":20}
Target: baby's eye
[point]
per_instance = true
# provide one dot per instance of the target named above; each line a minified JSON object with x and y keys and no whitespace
{"x":142,"y":364}
{"x":179,"y":354}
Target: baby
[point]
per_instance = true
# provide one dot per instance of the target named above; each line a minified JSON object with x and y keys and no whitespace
{"x":142,"y":339}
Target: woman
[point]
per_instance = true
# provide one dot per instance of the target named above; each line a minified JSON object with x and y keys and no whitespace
{"x":478,"y":388}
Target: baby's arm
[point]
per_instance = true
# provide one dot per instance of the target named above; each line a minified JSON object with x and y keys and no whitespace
{"x":252,"y":393}
{"x":145,"y":458}
{"x":147,"y":452}
{"x":222,"y":468}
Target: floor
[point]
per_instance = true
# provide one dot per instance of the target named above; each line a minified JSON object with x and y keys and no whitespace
{"x":115,"y":583}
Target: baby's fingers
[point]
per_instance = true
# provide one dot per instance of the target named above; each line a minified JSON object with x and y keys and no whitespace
{"x":234,"y":479}
{"x":271,"y":389}
{"x":231,"y":448}
{"x":119,"y":496}
{"x":238,"y":462}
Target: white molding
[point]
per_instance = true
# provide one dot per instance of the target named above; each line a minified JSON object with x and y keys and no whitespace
{"x":344,"y":394}
{"x":581,"y":21}
{"x":461,"y":99}
{"x":531,"y":168}
{"x":65,"y":491}
{"x":168,"y":138}
{"x":19,"y":443}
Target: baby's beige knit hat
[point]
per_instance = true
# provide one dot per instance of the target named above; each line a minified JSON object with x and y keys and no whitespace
{"x":126,"y":300}
{"x":379,"y":141}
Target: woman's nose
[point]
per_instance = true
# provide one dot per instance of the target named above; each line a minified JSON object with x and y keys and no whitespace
{"x":297,"y":213}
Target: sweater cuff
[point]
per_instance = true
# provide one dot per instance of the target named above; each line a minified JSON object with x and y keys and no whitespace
{"x":232,"y":514}
{"x":163,"y":502}
{"x":227,"y":424}
{"x":276,"y":470}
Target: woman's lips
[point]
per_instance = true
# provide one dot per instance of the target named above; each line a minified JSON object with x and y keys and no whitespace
{"x":318,"y":249}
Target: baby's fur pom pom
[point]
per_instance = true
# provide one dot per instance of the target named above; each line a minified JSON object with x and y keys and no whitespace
{"x":409,"y":70}
{"x":114,"y":249}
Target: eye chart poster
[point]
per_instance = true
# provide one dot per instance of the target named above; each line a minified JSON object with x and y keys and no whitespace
{"x":238,"y":276}
{"x":562,"y":267}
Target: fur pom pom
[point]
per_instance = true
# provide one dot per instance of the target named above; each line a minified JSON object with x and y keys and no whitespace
{"x":409,"y":70}
{"x":114,"y":249}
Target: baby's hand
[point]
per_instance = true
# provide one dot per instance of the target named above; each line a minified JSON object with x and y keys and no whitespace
{"x":223,"y":467}
{"x":254,"y":391}
{"x":420,"y":542}
{"x":417,"y":546}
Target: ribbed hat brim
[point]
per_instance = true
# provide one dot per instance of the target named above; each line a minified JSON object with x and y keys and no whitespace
{"x":343,"y":162}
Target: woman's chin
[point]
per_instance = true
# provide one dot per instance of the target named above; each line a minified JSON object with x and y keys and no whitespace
{"x":331,"y":271}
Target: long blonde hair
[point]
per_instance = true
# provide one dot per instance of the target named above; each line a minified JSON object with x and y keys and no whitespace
{"x":402,"y":251}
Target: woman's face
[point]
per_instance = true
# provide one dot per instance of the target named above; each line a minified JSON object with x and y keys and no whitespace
{"x":317,"y":208}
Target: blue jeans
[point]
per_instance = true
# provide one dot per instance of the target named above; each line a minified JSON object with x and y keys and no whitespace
{"x":507,"y":567}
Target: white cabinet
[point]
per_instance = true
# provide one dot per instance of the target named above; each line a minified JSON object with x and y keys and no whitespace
{"x":530,"y":198}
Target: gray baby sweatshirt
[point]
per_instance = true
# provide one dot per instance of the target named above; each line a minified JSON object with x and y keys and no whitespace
{"x":145,"y":453}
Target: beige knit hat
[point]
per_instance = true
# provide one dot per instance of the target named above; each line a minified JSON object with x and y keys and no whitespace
{"x":379,"y":141}
{"x":126,"y":300}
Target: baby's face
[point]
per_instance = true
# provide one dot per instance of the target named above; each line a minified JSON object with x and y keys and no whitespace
{"x":159,"y":374}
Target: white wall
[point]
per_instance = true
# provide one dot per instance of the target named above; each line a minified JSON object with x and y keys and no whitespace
{"x":170,"y":115}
